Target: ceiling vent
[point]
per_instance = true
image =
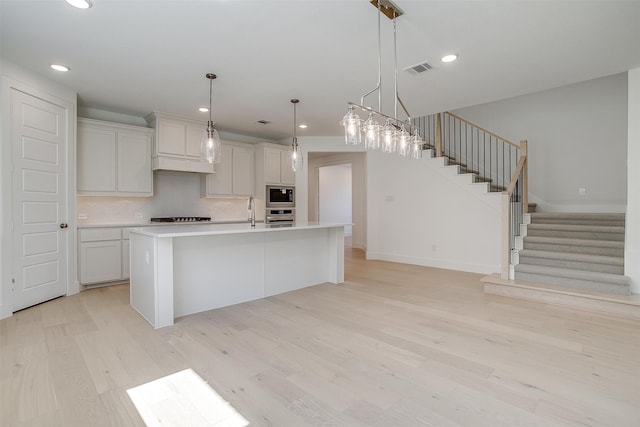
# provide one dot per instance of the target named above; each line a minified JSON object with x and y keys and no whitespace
{"x":418,"y":68}
{"x":263,"y":122}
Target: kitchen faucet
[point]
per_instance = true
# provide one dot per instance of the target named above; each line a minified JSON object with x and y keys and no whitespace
{"x":251,"y":208}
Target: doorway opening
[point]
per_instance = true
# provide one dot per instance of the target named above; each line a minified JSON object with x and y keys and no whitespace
{"x":335,"y":195}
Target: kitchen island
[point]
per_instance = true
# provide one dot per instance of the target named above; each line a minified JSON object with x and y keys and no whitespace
{"x":187,"y":269}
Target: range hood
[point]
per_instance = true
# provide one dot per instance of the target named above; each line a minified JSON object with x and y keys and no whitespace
{"x":177,"y":143}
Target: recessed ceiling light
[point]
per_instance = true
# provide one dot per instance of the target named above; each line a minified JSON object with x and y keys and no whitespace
{"x":450,"y":58}
{"x":59,"y":67}
{"x":303,"y":126}
{"x":80,"y":4}
{"x":203,"y":109}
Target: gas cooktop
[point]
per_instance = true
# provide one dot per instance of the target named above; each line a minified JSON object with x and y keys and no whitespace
{"x":182,"y":219}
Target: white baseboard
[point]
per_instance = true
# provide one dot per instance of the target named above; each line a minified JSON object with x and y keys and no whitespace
{"x":4,"y":311}
{"x":436,"y":263}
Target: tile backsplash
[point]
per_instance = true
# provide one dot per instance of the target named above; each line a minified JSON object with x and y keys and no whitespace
{"x":175,"y":194}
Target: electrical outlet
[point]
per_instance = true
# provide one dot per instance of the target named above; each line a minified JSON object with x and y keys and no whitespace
{"x":582,"y":191}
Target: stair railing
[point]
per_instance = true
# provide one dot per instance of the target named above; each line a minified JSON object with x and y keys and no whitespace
{"x":492,"y":158}
{"x":476,"y":150}
{"x":515,"y":203}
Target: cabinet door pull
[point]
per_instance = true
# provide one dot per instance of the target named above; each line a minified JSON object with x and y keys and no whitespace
{"x":64,"y":225}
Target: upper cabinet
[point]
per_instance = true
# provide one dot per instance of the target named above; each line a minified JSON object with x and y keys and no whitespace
{"x":234,"y":175}
{"x":177,"y":143}
{"x":113,"y":159}
{"x":272,"y":166}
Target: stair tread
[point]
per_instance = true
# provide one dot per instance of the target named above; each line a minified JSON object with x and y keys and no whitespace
{"x":571,"y":227}
{"x":617,"y":279}
{"x":574,"y":242}
{"x":579,"y":215}
{"x":568,"y":256}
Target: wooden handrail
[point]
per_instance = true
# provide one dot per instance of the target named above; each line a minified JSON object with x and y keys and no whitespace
{"x":482,"y":129}
{"x":515,"y":175}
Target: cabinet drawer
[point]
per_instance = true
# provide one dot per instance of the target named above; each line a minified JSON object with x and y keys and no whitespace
{"x":98,"y":234}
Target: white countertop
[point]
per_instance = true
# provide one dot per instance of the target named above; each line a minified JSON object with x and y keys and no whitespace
{"x":185,"y":230}
{"x":156,"y":224}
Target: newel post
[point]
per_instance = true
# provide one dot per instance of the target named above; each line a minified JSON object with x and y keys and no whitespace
{"x":438,"y":135}
{"x":524,"y":151}
{"x":505,"y":259}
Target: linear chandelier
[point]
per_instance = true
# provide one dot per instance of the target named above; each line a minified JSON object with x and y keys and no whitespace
{"x":396,"y":135}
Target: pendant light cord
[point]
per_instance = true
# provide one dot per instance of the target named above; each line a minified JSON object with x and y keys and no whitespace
{"x":210,"y":97}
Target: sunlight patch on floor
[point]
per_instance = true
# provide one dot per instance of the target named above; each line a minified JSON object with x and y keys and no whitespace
{"x":183,"y":399}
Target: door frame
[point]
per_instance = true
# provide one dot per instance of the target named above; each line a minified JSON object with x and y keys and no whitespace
{"x":36,"y":86}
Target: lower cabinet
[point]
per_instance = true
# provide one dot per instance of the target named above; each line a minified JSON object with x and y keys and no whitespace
{"x":104,"y":255}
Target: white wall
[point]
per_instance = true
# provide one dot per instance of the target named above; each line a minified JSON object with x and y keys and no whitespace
{"x":632,"y":243}
{"x":334,"y":195}
{"x":577,"y":138}
{"x":416,"y":213}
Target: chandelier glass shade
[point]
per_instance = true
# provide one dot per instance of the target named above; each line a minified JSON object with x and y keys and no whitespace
{"x":352,"y":127}
{"x":371,"y":130}
{"x":210,"y":145}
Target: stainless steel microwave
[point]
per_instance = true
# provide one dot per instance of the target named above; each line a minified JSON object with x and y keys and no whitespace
{"x":280,"y":196}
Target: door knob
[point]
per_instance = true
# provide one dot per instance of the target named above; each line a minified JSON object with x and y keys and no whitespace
{"x":64,"y":225}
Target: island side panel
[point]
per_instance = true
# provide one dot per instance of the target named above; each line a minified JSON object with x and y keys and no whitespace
{"x":336,"y":255}
{"x":295,"y":259}
{"x":217,"y":270}
{"x":151,"y":282}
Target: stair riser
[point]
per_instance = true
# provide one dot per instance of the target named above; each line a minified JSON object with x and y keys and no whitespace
{"x":589,"y":235}
{"x":609,"y":223}
{"x":588,"y":250}
{"x":575,"y":265}
{"x":575,"y":283}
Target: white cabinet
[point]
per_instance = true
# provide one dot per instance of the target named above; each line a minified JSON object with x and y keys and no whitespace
{"x":114,"y":159}
{"x":287,"y":175}
{"x":234,"y":175}
{"x":125,"y":254}
{"x":277,"y":168}
{"x":177,"y":143}
{"x":103,"y":255}
{"x":272,"y":166}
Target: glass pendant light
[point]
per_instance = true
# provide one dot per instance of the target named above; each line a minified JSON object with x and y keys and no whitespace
{"x":388,"y":137}
{"x":351,"y":122}
{"x":371,"y":129}
{"x":295,"y":152}
{"x":404,"y":142}
{"x":416,"y":146}
{"x":210,"y":144}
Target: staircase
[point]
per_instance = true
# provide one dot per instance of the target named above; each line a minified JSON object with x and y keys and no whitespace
{"x":575,"y":250}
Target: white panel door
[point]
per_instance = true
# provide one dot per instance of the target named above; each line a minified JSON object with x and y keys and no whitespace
{"x":39,"y":138}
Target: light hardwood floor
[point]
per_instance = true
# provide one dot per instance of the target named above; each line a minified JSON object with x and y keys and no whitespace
{"x":396,"y":345}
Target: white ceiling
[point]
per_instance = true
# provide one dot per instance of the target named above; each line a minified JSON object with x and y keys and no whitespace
{"x":137,"y":56}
